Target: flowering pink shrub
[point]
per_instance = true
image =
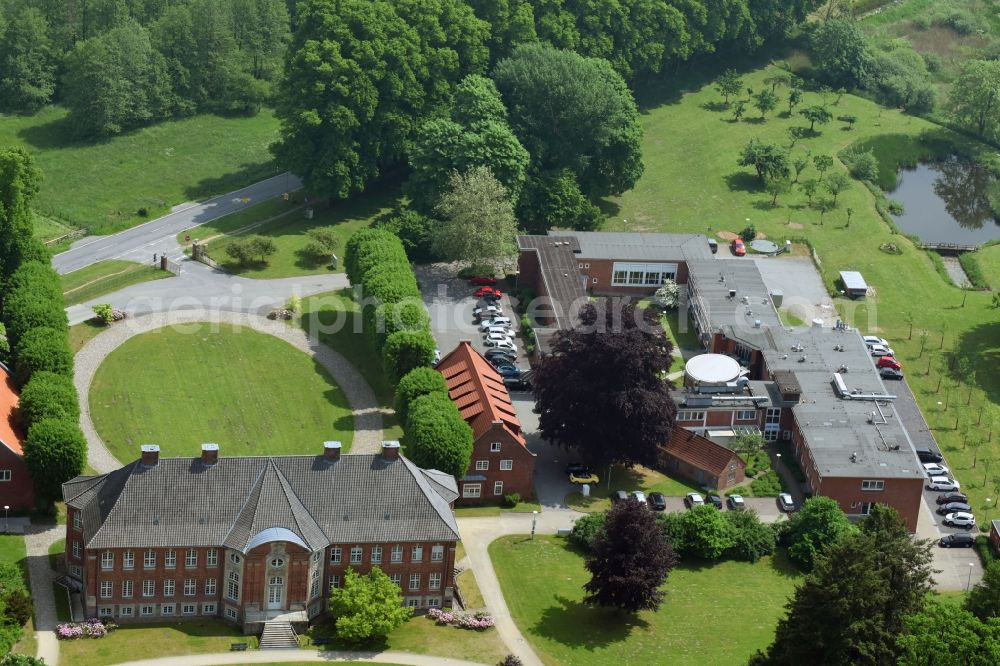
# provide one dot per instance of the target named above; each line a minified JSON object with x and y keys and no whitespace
{"x":92,"y":628}
{"x":478,"y":620}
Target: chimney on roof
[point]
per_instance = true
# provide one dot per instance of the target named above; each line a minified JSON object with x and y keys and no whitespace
{"x":331,"y":451}
{"x":150,"y":455}
{"x":390,"y":451}
{"x":209,"y":454}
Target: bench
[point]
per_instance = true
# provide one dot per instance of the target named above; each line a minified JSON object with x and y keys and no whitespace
{"x":237,"y":647}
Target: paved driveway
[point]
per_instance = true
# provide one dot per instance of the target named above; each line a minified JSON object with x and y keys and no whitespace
{"x":802,"y":287}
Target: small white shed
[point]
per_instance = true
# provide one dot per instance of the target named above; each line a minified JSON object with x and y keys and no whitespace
{"x":854,"y":285}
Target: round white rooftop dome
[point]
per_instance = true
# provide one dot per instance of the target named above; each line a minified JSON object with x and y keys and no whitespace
{"x":712,"y":369}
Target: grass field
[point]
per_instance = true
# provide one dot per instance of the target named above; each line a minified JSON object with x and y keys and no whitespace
{"x":715,"y":614}
{"x":705,"y":190}
{"x":81,"y":334}
{"x":12,"y":549}
{"x":250,"y":392}
{"x":335,"y":318}
{"x":483,"y":511}
{"x":637,"y":478}
{"x":289,"y":232}
{"x":105,"y":277}
{"x":102,"y":184}
{"x":472,"y":597}
{"x":151,"y":641}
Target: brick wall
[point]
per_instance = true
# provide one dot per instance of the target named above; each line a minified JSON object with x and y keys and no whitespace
{"x":602,"y":269}
{"x":904,"y":495}
{"x":19,"y":492}
{"x":519,"y":479}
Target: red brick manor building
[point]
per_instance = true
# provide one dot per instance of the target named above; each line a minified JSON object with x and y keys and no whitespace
{"x":249,"y":539}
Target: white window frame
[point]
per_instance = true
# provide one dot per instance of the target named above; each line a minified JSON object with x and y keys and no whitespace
{"x":357,"y":554}
{"x":506,"y":465}
{"x":376,"y":556}
{"x":128,"y":560}
{"x":396,"y":554}
{"x":472,"y":490}
{"x":189,"y":609}
{"x":434,"y":581}
{"x":495,"y":447}
{"x":397,"y":579}
{"x":5,"y":475}
{"x":170,"y":558}
{"x":334,"y":582}
{"x":149,"y":588}
{"x":107,"y":589}
{"x":210,"y":586}
{"x":437,"y":553}
{"x":497,"y":488}
{"x":433,"y":602}
{"x":417,"y":553}
{"x":414,"y":583}
{"x":208,"y":609}
{"x":233,"y":586}
{"x":190,"y":587}
{"x":628,"y":274}
{"x":212,"y":557}
{"x":124,"y":611}
{"x":107,"y":561}
{"x":169,"y":587}
{"x":147,"y":610}
{"x":336,"y":553}
{"x":482,"y":465}
{"x":191,"y":558}
{"x":105,"y":611}
{"x":149,"y":559}
{"x":413,"y":602}
{"x":235,"y":558}
{"x":167,"y":609}
{"x":77,"y":519}
{"x":872,"y":484}
{"x":75,"y":549}
{"x":231,"y":613}
{"x":690,"y":415}
{"x":127,"y":589}
{"x":746,"y":415}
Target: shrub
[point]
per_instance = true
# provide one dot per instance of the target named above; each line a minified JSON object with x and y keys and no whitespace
{"x":406,"y":350}
{"x":409,"y":315}
{"x":368,"y":248}
{"x":749,"y":233}
{"x":667,"y":297}
{"x":34,"y":298}
{"x":104,"y":312}
{"x":43,"y":348}
{"x":437,"y":437}
{"x":390,"y":283}
{"x":703,"y":532}
{"x":48,"y":395}
{"x":511,"y":500}
{"x":142,"y":212}
{"x":415,"y":383}
{"x":585,"y":529}
{"x":752,"y":539}
{"x":54,"y":452}
{"x":973,"y":271}
{"x":510,"y":660}
{"x":768,"y":485}
{"x":414,"y":231}
{"x":863,"y":165}
{"x":895,"y":207}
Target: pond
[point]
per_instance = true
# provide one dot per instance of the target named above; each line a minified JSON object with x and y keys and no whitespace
{"x":946,"y":202}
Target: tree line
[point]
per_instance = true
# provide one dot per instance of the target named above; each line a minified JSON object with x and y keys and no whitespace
{"x":119,"y":64}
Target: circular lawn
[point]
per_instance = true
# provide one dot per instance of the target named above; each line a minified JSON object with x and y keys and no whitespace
{"x":250,"y":392}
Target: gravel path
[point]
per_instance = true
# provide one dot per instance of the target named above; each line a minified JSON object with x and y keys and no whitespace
{"x":298,"y":656}
{"x":37,"y":541}
{"x":367,"y":414}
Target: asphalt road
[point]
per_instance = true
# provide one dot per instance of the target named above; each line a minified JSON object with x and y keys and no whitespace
{"x":139,"y":243}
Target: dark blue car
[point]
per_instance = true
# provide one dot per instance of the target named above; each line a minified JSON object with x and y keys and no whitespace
{"x":509,"y":371}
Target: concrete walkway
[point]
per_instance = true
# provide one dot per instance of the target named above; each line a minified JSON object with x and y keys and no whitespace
{"x":278,"y":656}
{"x":37,"y":541}
{"x":367,"y":414}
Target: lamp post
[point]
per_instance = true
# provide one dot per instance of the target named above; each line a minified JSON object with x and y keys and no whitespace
{"x":968,"y":583}
{"x":6,"y":526}
{"x":534,"y":517}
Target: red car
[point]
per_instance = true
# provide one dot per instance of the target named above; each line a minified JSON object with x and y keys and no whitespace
{"x":482,"y":279}
{"x":888,"y":362}
{"x":739,"y":249}
{"x":487,"y":292}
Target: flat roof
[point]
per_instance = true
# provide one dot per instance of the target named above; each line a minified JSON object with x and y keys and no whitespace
{"x":629,"y":246}
{"x":709,"y":285}
{"x":557,"y":264}
{"x":853,"y":280}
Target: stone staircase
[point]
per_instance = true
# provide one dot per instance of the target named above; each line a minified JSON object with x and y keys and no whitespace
{"x":278,"y":636}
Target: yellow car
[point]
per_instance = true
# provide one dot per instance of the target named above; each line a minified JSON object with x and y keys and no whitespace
{"x":583,"y":477}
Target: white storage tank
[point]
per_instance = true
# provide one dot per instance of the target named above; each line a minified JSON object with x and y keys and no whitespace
{"x":707,"y":370}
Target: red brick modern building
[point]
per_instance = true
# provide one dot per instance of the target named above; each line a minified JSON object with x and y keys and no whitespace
{"x":16,"y":488}
{"x":702,"y":461}
{"x":501,"y":462}
{"x":251,"y":539}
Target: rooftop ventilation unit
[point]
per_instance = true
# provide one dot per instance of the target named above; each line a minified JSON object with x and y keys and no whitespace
{"x":732,"y":293}
{"x":756,"y":323}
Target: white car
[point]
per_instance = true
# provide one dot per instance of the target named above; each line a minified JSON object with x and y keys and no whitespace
{"x":501,"y":344}
{"x":498,"y":335}
{"x":691,"y":500}
{"x":879,"y":350}
{"x":942,"y":483}
{"x":960,"y":519}
{"x":735,"y":502}
{"x":786,"y":503}
{"x":936,"y":469}
{"x":489,"y":311}
{"x":495,"y":321}
{"x":875,"y":340}
{"x":639,"y":496}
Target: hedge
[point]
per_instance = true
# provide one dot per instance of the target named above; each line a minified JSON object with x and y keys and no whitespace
{"x":437,"y":437}
{"x":368,"y":248}
{"x":405,"y":351}
{"x":43,"y":348}
{"x":48,"y":395}
{"x":390,"y":284}
{"x":415,"y":383}
{"x":33,"y":298}
{"x":54,"y":452}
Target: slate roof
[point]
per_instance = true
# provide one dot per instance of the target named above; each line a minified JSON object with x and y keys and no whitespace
{"x":182,"y":502}
{"x":10,"y":432}
{"x":478,"y":391}
{"x":699,"y":451}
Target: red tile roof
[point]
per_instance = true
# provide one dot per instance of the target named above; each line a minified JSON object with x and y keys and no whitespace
{"x":478,"y":391}
{"x":10,"y":433}
{"x":699,"y":451}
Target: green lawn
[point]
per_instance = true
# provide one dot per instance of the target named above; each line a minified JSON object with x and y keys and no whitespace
{"x":472,"y":597}
{"x":151,"y":641}
{"x":105,"y":277}
{"x":715,"y":614}
{"x":481,"y":511}
{"x":335,"y":318}
{"x":182,"y":386}
{"x":421,"y":635}
{"x":12,"y":549}
{"x":989,"y":262}
{"x":289,"y":232}
{"x":81,"y":334}
{"x":102,"y":184}
{"x":704,"y":190}
{"x":637,"y":478}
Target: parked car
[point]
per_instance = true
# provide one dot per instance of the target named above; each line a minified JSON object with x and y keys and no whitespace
{"x":501,"y":359}
{"x":487,"y":311}
{"x":942,"y":483}
{"x":657,"y":502}
{"x":692,"y":500}
{"x":638,"y":496}
{"x":735,"y":502}
{"x":957,"y":541}
{"x":952,"y":497}
{"x":498,"y":333}
{"x":499,"y":353}
{"x":879,"y":350}
{"x":619,"y":496}
{"x":926,"y":455}
{"x":738,"y":248}
{"x":953,"y":507}
{"x":715,"y":500}
{"x":516,"y":384}
{"x":482,"y":280}
{"x":489,"y":293}
{"x":875,"y":340}
{"x":889,"y":373}
{"x":583,"y":477}
{"x":935,"y":469}
{"x":494,"y":321}
{"x":501,"y":344}
{"x":509,"y":370}
{"x":786,"y":503}
{"x":437,"y":358}
{"x":960,"y":519}
{"x":888,"y":362}
{"x":578,"y":468}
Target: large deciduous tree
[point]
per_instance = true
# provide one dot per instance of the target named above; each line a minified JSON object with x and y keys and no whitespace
{"x":27,"y":61}
{"x":946,"y":635}
{"x":852,"y":607}
{"x":768,"y":160}
{"x":19,"y":181}
{"x":629,"y":560}
{"x":54,"y":452}
{"x":477,"y":219}
{"x":840,"y":54}
{"x":603,"y":390}
{"x":437,"y":437}
{"x":974,"y":99}
{"x":984,"y":599}
{"x":367,"y":607}
{"x":729,"y":84}
{"x":48,"y":395}
{"x":818,"y":524}
{"x":574,"y":113}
